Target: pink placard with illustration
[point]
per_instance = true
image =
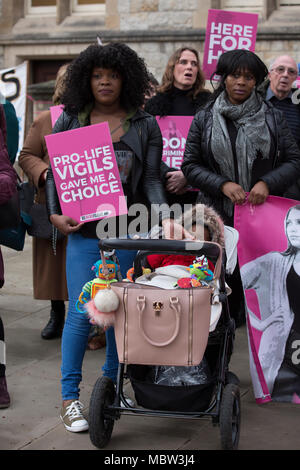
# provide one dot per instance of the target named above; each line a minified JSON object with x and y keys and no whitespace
{"x":225,"y":31}
{"x":86,"y":173}
{"x":268,"y":250}
{"x":174,"y":130}
{"x":56,"y":111}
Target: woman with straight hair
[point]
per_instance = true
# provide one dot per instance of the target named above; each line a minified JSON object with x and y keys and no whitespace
{"x":181,"y":93}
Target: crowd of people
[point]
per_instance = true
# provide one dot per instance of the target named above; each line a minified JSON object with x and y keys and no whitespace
{"x":244,"y":138}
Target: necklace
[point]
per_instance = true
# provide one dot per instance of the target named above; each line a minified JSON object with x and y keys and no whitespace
{"x":122,"y":120}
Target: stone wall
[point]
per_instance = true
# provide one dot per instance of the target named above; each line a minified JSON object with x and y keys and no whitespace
{"x":155,"y":52}
{"x":159,"y":14}
{"x":154,"y":28}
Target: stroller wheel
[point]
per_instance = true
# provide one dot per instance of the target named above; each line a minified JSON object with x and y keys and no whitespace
{"x":231,"y":378}
{"x":101,"y":426}
{"x":230,"y":417}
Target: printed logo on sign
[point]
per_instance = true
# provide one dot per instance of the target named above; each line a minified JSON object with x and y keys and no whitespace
{"x":296,"y":96}
{"x":86,"y":217}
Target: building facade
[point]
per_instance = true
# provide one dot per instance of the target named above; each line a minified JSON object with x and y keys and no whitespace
{"x":48,"y":33}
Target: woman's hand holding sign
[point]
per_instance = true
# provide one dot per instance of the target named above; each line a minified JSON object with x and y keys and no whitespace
{"x":234,"y":192}
{"x":258,"y":193}
{"x":65,"y":224}
{"x":237,"y":195}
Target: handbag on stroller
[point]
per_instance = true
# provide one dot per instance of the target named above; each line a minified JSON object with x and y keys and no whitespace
{"x":164,"y":326}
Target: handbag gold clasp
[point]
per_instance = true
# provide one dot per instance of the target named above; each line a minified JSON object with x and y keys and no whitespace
{"x":158,"y":306}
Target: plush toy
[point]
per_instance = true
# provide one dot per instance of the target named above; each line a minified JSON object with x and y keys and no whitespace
{"x":99,"y":307}
{"x":200,"y":272}
{"x":102,"y":308}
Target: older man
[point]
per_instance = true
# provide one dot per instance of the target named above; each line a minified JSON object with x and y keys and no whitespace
{"x":278,"y":90}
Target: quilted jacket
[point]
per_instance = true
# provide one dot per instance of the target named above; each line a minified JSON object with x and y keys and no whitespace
{"x":202,"y":171}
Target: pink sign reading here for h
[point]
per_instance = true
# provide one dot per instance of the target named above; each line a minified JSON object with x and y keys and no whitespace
{"x":86,"y":173}
{"x":226,"y":31}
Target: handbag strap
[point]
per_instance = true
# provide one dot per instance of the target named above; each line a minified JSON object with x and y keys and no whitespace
{"x":175,"y":306}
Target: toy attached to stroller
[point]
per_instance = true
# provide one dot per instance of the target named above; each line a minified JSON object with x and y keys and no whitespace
{"x":168,"y":333}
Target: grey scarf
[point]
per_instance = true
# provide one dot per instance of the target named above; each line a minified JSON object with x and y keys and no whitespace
{"x":253,"y":138}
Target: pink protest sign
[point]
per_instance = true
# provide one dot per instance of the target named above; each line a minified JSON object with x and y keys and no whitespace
{"x":268,"y":250}
{"x":86,"y":173}
{"x":174,"y":130}
{"x":225,"y":31}
{"x":56,"y":112}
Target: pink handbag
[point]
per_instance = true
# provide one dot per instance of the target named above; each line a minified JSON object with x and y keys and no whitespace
{"x":156,"y":326}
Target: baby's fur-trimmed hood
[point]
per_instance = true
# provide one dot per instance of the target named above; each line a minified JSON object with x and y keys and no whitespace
{"x":206,"y":216}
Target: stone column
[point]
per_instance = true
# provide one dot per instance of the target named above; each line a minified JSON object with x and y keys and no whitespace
{"x":11,"y":12}
{"x":112,"y":15}
{"x":63,"y":9}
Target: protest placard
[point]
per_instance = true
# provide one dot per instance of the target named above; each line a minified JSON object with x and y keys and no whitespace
{"x":86,"y":173}
{"x":174,"y":130}
{"x":226,"y":31}
{"x":13,"y":85}
{"x":269,"y":245}
{"x":55,"y":112}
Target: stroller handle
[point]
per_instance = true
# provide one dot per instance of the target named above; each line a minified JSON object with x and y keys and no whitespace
{"x":164,"y":245}
{"x":156,"y":244}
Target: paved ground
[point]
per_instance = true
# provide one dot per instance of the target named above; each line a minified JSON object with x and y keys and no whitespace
{"x":33,"y":374}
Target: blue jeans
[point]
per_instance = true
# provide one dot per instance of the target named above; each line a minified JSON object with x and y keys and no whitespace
{"x":82,"y":253}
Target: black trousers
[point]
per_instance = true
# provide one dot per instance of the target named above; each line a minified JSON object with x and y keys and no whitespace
{"x":236,"y":299}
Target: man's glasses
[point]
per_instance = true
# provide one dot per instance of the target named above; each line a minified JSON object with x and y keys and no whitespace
{"x":280,"y":70}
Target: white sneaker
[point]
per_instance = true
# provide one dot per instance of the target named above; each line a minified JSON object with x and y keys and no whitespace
{"x":73,"y":418}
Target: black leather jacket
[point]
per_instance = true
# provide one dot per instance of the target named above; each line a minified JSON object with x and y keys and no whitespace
{"x":202,"y":171}
{"x":144,"y":138}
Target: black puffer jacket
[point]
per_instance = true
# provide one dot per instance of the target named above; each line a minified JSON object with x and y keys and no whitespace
{"x":144,"y":139}
{"x":202,"y":171}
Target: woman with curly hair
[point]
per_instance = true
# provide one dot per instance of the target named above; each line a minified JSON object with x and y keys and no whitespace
{"x":182,"y":93}
{"x":105,"y":83}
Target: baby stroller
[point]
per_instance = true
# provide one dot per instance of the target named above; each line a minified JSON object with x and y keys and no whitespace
{"x":217,"y":397}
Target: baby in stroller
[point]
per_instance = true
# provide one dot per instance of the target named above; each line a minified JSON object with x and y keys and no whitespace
{"x":205,"y":225}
